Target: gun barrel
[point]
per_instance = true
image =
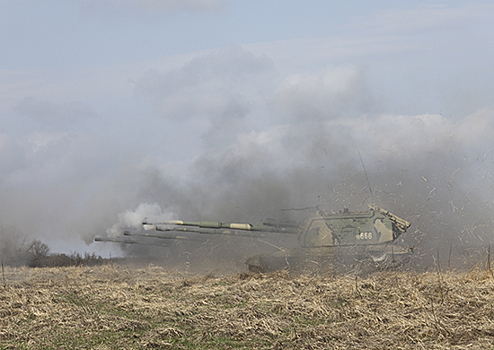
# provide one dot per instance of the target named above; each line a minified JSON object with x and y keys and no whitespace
{"x":210,"y":224}
{"x":215,"y":227}
{"x":128,"y":241}
{"x":210,"y":231}
{"x":157,"y":235}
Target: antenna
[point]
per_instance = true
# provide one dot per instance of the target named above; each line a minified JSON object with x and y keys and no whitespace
{"x":366,"y":177}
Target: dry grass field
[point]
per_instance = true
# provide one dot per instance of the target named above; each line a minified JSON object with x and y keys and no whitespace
{"x":115,"y":307}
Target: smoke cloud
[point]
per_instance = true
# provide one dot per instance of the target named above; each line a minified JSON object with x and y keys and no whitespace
{"x":240,"y":132}
{"x":135,"y":218}
{"x":432,"y":170}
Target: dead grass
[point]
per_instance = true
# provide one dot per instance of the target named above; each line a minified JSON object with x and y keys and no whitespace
{"x":112,"y":307}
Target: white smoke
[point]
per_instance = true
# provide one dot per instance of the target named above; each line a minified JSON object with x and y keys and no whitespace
{"x":239,"y":132}
{"x":134,"y":218}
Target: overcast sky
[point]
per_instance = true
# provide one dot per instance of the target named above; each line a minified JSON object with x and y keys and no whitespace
{"x":195,"y":107}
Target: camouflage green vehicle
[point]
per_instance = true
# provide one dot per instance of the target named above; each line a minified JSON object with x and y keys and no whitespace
{"x":342,"y":240}
{"x":324,"y":240}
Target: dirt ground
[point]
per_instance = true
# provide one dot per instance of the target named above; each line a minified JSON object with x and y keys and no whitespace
{"x":116,"y":307}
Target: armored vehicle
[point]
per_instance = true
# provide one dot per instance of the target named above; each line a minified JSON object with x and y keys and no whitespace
{"x":324,"y":240}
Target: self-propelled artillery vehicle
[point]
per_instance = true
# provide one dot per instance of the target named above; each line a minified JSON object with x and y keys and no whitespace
{"x":324,"y":240}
